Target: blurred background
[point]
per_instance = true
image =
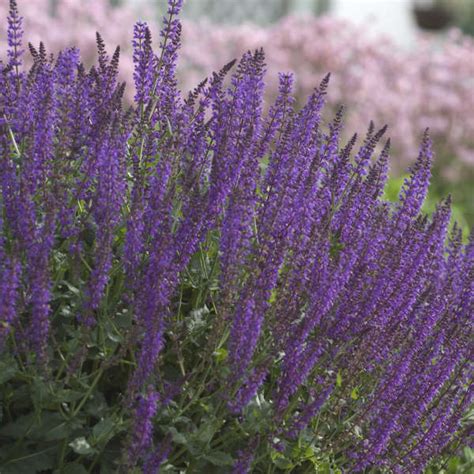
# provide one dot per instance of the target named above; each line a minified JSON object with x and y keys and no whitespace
{"x":405,"y":63}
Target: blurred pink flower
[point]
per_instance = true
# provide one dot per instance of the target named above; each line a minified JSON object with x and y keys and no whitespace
{"x":431,"y":85}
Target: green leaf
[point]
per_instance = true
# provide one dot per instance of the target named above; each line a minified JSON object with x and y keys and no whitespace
{"x":273,"y":296}
{"x":110,"y":457}
{"x":66,"y":311}
{"x":49,"y":426}
{"x":40,"y":393}
{"x":58,"y":432}
{"x":219,"y":458}
{"x":206,"y":431}
{"x":281,"y":461}
{"x":8,"y":369}
{"x":114,"y":337}
{"x":73,"y":468}
{"x":19,"y":427}
{"x":453,"y":464}
{"x":96,"y":405}
{"x":339,"y":379}
{"x":355,"y":394}
{"x":104,"y":430}
{"x":75,"y":291}
{"x":28,"y":461}
{"x":123,"y":319}
{"x":309,"y":453}
{"x":177,"y":437}
{"x":468,"y":454}
{"x":67,"y":395}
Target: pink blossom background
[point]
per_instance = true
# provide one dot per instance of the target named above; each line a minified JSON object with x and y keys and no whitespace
{"x":431,"y":85}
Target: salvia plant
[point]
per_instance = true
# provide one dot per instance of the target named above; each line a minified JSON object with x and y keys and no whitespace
{"x":372,"y":76}
{"x":202,"y":283}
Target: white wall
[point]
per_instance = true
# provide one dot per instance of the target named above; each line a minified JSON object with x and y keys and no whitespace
{"x":393,"y":17}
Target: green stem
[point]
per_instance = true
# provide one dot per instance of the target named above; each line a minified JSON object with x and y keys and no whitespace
{"x":28,"y":456}
{"x":88,"y":393}
{"x":63,"y":453}
{"x":178,"y":454}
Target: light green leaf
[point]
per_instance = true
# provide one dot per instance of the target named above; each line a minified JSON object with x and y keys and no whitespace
{"x":81,"y":446}
{"x":280,"y":461}
{"x":177,"y":437}
{"x":104,"y":429}
{"x":221,"y":354}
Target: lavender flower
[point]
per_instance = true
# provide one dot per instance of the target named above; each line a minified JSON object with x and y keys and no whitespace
{"x":10,"y":271}
{"x":243,"y":464}
{"x":142,"y":432}
{"x":15,"y":35}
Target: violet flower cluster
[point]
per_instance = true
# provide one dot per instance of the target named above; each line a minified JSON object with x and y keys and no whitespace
{"x":320,"y":279}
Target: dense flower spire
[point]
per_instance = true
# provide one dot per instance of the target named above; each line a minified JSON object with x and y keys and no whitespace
{"x":141,"y":436}
{"x":15,"y":35}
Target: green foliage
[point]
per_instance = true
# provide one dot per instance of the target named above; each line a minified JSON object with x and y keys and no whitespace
{"x":72,"y":419}
{"x":461,"y":209}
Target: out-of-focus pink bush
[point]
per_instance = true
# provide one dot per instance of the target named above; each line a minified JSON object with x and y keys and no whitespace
{"x":66,"y":23}
{"x":430,"y":85}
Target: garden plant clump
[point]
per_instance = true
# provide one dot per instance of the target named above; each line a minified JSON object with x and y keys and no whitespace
{"x":204,"y":284}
